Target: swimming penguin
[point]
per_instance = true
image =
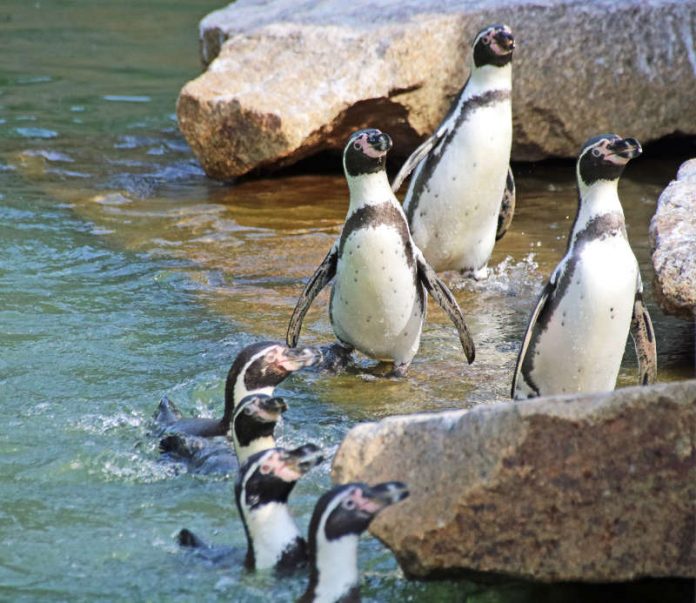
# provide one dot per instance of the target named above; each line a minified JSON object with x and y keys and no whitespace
{"x":261,"y":491}
{"x":378,"y":300}
{"x":577,"y":332}
{"x":461,"y":198}
{"x":253,"y":423}
{"x":258,"y":368}
{"x":340,"y":516}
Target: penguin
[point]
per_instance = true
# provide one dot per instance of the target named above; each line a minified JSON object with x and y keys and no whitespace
{"x":253,"y":424}
{"x":577,"y":332}
{"x":340,"y":516}
{"x":378,"y":299}
{"x":461,"y":198}
{"x":262,"y":488}
{"x":258,"y":368}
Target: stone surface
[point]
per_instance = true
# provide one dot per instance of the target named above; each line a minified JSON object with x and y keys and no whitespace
{"x":291,"y":78}
{"x":673,"y":241}
{"x":592,"y":488}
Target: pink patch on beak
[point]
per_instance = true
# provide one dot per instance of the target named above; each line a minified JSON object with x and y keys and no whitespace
{"x":365,"y":504}
{"x":280,"y":468}
{"x":366,"y":148}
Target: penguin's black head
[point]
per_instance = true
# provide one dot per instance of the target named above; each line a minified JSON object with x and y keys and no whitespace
{"x":366,"y":152}
{"x":265,"y":364}
{"x":270,"y":475}
{"x":604,"y":157}
{"x":493,"y":45}
{"x":256,"y":416}
{"x":350,"y":508}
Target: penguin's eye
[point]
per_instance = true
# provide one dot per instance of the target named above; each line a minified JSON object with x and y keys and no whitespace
{"x":596,"y":152}
{"x":247,"y":410}
{"x":349,"y":504}
{"x":356,"y":145}
{"x":266,"y":469}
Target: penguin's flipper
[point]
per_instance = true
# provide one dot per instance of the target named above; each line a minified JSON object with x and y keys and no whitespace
{"x":644,"y":340}
{"x":321,"y":277}
{"x":443,"y":296}
{"x":507,"y":206}
{"x":539,"y":308}
{"x":416,"y":157}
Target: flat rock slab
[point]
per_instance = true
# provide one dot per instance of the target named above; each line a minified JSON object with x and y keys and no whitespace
{"x":673,"y":241}
{"x":590,"y":488}
{"x":290,"y":78}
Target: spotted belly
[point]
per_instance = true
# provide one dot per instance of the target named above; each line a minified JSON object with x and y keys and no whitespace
{"x":579,"y":347}
{"x":376,"y":303}
{"x":453,"y":208}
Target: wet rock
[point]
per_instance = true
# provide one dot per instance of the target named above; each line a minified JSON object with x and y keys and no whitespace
{"x":292,"y":78}
{"x":673,"y":241}
{"x":592,"y":488}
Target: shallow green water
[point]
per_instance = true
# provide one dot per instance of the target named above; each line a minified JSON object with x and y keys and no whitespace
{"x":126,"y":274}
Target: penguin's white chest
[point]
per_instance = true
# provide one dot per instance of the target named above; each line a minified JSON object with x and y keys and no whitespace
{"x":455,"y":216}
{"x":375,"y":303}
{"x":583,"y":345}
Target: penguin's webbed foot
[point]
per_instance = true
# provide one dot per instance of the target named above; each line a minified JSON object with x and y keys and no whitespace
{"x":335,"y":357}
{"x":399,"y":371}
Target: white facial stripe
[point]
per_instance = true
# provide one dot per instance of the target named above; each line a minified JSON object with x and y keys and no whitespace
{"x":240,"y":390}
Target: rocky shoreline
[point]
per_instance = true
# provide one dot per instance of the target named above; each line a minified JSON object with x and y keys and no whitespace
{"x":673,"y":242}
{"x":293,"y":78}
{"x":594,"y":488}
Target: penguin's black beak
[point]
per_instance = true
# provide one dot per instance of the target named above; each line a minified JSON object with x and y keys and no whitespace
{"x":380,"y":141}
{"x":626,"y":148}
{"x":505,"y":40}
{"x":304,"y":458}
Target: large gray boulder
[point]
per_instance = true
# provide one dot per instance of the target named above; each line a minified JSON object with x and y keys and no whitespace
{"x":594,"y":488}
{"x":673,"y":241}
{"x":290,"y":78}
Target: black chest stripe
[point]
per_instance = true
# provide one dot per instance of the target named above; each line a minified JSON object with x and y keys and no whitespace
{"x":430,"y":162}
{"x":376,"y":215}
{"x":607,"y":225}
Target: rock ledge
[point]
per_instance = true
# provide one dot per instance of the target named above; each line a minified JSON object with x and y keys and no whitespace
{"x":290,"y":78}
{"x":673,"y":241}
{"x":596,"y":488}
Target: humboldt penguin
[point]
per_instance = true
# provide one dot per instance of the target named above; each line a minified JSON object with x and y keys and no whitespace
{"x":340,"y":516}
{"x":253,"y":424}
{"x":577,"y":332}
{"x":258,"y":369}
{"x":461,"y":197}
{"x":261,"y":490}
{"x":378,"y":299}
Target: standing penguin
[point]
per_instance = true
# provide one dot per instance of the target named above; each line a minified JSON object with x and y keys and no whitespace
{"x":339,"y":517}
{"x":577,"y":332}
{"x":461,"y":197}
{"x":378,"y":300}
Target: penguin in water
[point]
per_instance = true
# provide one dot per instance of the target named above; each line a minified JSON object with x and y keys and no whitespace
{"x":461,"y":198}
{"x":261,"y":491}
{"x":253,"y":425}
{"x":258,"y":369}
{"x":577,"y":332}
{"x":340,"y":516}
{"x":378,"y":300}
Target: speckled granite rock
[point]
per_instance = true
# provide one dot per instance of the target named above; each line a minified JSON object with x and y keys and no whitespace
{"x":673,"y":241}
{"x":290,"y":78}
{"x":593,"y":488}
